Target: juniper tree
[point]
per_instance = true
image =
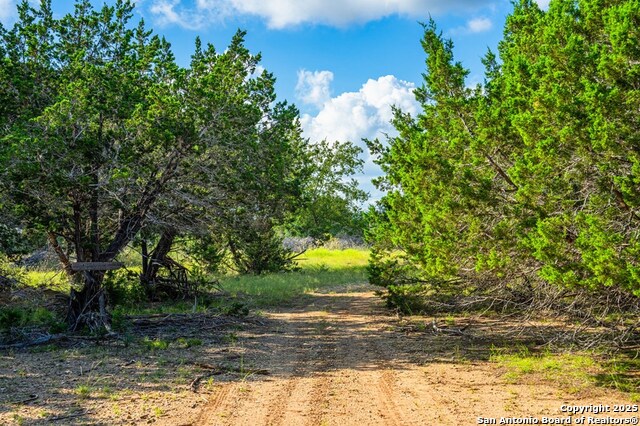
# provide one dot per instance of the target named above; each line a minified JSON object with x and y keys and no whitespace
{"x":532,"y":177}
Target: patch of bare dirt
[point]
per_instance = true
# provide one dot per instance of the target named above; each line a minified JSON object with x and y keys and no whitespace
{"x":144,"y":379}
{"x":337,"y":358}
{"x":342,"y":359}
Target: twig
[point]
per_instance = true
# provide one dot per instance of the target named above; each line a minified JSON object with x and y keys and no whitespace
{"x":452,"y":331}
{"x":69,"y":416}
{"x":31,"y":398}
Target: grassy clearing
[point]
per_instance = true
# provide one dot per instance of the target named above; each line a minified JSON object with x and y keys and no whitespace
{"x":54,"y":280}
{"x":320,"y":268}
{"x":334,"y":259}
{"x":574,"y":371}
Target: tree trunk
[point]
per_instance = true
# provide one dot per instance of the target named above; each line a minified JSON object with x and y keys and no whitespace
{"x":151,"y":262}
{"x":88,"y":307}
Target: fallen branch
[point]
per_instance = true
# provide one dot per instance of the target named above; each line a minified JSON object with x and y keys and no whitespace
{"x":52,"y":338}
{"x":451,"y":331}
{"x":31,"y":398}
{"x":69,"y":416}
{"x":39,"y":341}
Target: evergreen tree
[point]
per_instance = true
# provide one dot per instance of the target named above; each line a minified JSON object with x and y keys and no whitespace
{"x":529,"y":180}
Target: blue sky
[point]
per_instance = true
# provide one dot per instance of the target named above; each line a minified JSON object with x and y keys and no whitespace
{"x":342,"y":62}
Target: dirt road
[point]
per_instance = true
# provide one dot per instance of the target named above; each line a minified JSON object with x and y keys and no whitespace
{"x":336,"y":358}
{"x":342,"y":359}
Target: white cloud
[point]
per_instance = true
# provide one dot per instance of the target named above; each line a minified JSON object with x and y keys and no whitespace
{"x":205,"y":12}
{"x":166,"y":14}
{"x":287,"y":13}
{"x":258,"y":71}
{"x":363,"y":114}
{"x":366,"y":113}
{"x":473,"y":26}
{"x":478,"y":25}
{"x":314,"y":88}
{"x":7,"y":11}
{"x":284,"y":13}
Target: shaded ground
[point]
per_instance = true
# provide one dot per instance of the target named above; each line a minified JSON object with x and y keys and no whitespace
{"x":334,"y":359}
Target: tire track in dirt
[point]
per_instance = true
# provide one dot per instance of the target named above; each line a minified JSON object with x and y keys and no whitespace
{"x":385,"y":398}
{"x":299,"y":395}
{"x":278,"y":406}
{"x":335,"y":362}
{"x":219,"y":399}
{"x":342,"y":361}
{"x":317,"y":402}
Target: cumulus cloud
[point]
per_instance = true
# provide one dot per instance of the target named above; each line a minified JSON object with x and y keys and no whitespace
{"x":286,"y":13}
{"x":367,"y":113}
{"x":363,"y":114}
{"x":314,"y":88}
{"x":473,"y":26}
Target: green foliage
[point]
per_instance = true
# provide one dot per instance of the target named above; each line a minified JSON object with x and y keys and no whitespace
{"x":84,"y":391}
{"x":103,"y":133}
{"x":119,"y":320}
{"x":123,"y":287}
{"x":154,"y":345}
{"x":256,"y":248}
{"x":531,"y":176}
{"x":188,"y":342}
{"x":210,"y":252}
{"x":236,"y":308}
{"x":330,"y":204}
{"x":53,"y":280}
{"x":17,"y":316}
{"x":15,"y":240}
{"x":10,"y":276}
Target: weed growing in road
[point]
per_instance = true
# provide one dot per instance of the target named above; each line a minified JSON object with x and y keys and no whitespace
{"x":185,"y":343}
{"x":155,"y":344}
{"x":83,"y":391}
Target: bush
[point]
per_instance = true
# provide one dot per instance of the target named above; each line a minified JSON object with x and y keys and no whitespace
{"x":261,"y":251}
{"x":17,"y":316}
{"x":123,"y":288}
{"x":210,"y":252}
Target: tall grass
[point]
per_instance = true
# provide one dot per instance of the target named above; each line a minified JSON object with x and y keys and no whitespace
{"x":54,"y":280}
{"x":320,"y":268}
{"x":574,"y":371}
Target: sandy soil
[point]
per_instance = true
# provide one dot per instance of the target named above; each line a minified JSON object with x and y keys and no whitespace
{"x":343,"y":360}
{"x":336,"y":358}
